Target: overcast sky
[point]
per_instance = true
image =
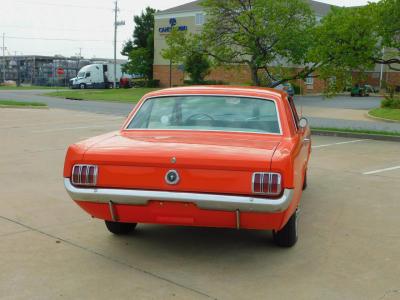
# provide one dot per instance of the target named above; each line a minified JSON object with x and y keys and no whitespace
{"x":48,"y":27}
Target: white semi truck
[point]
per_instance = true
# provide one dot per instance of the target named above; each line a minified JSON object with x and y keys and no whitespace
{"x":97,"y":76}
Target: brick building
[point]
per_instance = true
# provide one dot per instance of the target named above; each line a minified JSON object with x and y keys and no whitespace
{"x":191,"y":17}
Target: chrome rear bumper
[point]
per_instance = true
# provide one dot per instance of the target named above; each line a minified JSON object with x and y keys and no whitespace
{"x":203,"y":201}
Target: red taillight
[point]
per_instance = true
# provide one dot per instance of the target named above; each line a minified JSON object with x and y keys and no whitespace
{"x":267,"y":183}
{"x":257,"y":183}
{"x":84,"y":175}
{"x":75,"y":174}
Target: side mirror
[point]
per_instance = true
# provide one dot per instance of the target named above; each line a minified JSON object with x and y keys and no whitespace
{"x":303,"y":123}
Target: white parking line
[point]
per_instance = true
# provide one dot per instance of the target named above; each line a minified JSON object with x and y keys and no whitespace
{"x":381,"y":170}
{"x":340,"y":143}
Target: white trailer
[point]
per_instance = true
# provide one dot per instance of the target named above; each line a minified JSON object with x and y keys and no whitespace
{"x":97,"y":76}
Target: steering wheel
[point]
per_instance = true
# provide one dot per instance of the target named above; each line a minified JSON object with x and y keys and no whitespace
{"x":200,"y":115}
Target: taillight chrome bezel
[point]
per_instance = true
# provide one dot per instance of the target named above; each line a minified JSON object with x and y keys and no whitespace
{"x":90,"y":176}
{"x":269,"y":189}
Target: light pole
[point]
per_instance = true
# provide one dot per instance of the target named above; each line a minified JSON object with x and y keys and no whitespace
{"x":116,"y":24}
{"x":172,"y":23}
{"x":381,"y":75}
{"x":4,"y":59}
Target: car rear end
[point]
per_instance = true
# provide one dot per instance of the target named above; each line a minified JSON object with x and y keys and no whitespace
{"x":214,"y":176}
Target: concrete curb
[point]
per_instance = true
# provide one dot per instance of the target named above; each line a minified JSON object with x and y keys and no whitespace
{"x":381,"y":119}
{"x":378,"y":137}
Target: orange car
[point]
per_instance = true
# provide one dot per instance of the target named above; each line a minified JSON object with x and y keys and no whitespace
{"x":220,"y":156}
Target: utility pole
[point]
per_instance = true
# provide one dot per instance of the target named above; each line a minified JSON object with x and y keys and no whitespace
{"x":78,"y":61}
{"x":4,"y":59}
{"x":18,"y":68}
{"x":116,"y":24}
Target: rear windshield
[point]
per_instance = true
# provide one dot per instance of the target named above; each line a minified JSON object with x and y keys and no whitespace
{"x":216,"y":113}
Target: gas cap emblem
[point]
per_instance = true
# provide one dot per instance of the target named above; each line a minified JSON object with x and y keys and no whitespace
{"x":172,"y":177}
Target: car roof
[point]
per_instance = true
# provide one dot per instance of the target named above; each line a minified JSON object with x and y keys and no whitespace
{"x":246,"y":91}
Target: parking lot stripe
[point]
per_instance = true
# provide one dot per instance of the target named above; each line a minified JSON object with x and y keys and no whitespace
{"x":340,"y":143}
{"x":381,"y":170}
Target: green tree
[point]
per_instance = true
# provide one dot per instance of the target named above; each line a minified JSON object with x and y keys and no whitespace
{"x":258,"y":33}
{"x":387,"y":13}
{"x":140,"y":49}
{"x":353,"y":39}
{"x":187,"y":48}
{"x":344,"y":42}
{"x":198,"y":67}
{"x":268,"y":36}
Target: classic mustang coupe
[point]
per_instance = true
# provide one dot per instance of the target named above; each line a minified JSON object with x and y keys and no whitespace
{"x":230,"y":157}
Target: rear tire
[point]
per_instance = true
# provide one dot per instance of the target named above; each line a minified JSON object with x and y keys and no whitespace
{"x":288,"y":235}
{"x":120,"y":228}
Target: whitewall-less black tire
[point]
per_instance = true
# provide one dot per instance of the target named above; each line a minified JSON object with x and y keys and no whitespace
{"x":120,"y":228}
{"x":288,"y":235}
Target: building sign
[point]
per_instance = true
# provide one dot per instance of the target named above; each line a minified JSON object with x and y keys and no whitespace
{"x":172,"y":24}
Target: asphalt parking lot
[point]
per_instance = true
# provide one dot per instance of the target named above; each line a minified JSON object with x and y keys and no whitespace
{"x":49,"y":248}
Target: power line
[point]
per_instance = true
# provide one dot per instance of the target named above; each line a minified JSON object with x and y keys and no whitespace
{"x":63,"y":5}
{"x":53,"y":28}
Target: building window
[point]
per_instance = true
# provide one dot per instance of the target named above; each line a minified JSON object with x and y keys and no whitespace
{"x":199,"y":19}
{"x":310,"y":80}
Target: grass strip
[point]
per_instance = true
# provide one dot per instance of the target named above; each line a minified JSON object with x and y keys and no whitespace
{"x":386,"y":113}
{"x":21,"y":103}
{"x":111,"y":95}
{"x":362,"y":131}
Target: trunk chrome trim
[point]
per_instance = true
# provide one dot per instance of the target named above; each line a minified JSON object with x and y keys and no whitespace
{"x":203,"y":201}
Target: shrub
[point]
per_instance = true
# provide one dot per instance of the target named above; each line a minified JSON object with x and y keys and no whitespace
{"x":198,"y":66}
{"x":390,"y":102}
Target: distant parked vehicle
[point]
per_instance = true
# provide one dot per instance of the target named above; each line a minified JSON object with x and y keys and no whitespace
{"x":125,"y":83}
{"x":286,"y":87}
{"x":97,"y":76}
{"x":371,"y":89}
{"x":359,"y":90}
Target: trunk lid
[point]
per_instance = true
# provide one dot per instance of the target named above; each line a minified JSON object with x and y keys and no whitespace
{"x":206,"y":162}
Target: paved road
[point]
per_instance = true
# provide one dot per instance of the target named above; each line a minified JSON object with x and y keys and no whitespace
{"x":50,"y":249}
{"x":345,"y":102}
{"x":109,"y":108}
{"x":123,"y":109}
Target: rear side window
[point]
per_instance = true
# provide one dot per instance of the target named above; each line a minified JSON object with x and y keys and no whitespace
{"x":294,"y":112}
